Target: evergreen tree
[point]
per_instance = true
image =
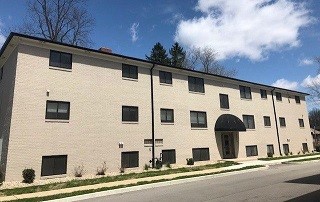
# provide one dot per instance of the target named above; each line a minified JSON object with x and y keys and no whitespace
{"x":177,"y":54}
{"x":158,"y":54}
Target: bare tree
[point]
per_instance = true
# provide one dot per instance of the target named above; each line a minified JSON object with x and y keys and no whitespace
{"x":314,"y":85}
{"x":314,"y":118}
{"x":59,"y":20}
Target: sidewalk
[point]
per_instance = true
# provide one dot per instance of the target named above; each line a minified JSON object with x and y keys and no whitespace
{"x":149,"y":179}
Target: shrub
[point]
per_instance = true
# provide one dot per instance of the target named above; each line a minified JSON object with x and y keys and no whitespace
{"x":158,"y":164}
{"x":121,"y":169}
{"x":269,"y":154}
{"x":168,"y":165}
{"x":79,"y":171}
{"x":299,"y":152}
{"x":146,"y":167}
{"x":190,"y":161}
{"x":28,"y":175}
{"x":102,"y":170}
{"x":290,"y":153}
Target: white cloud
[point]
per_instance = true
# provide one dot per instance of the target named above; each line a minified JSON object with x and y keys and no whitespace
{"x":176,"y":17}
{"x":311,"y":81}
{"x":306,"y":62}
{"x":244,"y":28}
{"x":283,"y":83}
{"x":134,"y":31}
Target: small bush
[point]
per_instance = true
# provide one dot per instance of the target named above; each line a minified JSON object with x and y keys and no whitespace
{"x":269,"y":154}
{"x":102,"y":170}
{"x":122,"y":170}
{"x":28,"y":175}
{"x":299,"y":152}
{"x":146,"y":167}
{"x":158,"y":164}
{"x":190,"y":161}
{"x":79,"y":171}
{"x":290,"y":153}
{"x":168,"y":165}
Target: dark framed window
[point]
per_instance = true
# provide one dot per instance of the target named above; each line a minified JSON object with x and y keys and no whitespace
{"x":301,"y":123}
{"x":286,"y":149}
{"x":278,"y":96}
{"x":198,"y":119}
{"x":245,"y":92}
{"x":263,"y":93}
{"x":130,"y":113}
{"x":1,"y":73}
{"x":252,"y":150}
{"x":282,"y":121}
{"x":270,"y":149}
{"x":196,"y":84}
{"x":266,"y":120}
{"x":54,"y":165}
{"x":200,"y":154}
{"x":248,"y":121}
{"x":60,"y":59}
{"x":224,"y":101}
{"x":305,"y":147}
{"x":169,"y":156}
{"x":167,"y":115}
{"x":130,"y":159}
{"x":129,"y":71}
{"x":165,"y":77}
{"x":57,"y":110}
{"x":297,"y":98}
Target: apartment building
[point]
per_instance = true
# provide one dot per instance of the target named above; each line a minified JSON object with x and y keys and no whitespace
{"x":64,"y":106}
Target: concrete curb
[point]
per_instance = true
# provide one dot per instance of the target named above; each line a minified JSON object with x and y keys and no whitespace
{"x":153,"y":185}
{"x":302,"y":162}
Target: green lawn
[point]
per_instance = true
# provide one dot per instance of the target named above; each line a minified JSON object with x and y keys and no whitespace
{"x":287,"y":157}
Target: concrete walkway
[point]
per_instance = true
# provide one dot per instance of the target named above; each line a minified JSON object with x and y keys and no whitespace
{"x":148,"y":179}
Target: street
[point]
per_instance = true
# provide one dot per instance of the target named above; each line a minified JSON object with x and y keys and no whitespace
{"x":278,"y":183}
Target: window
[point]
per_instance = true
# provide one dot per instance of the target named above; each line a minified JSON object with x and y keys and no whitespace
{"x":278,"y":96}
{"x":252,"y":150}
{"x":270,"y":149}
{"x":54,"y":165}
{"x":196,"y":84}
{"x":167,"y":115}
{"x":169,"y":156}
{"x":1,"y":73}
{"x":201,"y":154}
{"x":297,"y":98}
{"x":165,"y":77}
{"x":245,"y":92}
{"x":305,"y":147}
{"x":266,"y":120}
{"x":58,"y":110}
{"x":286,"y":149}
{"x":130,"y":113}
{"x":224,"y":101}
{"x":263,"y":94}
{"x":129,"y":71}
{"x":282,"y":121}
{"x":248,"y":121}
{"x":198,"y":119}
{"x":129,"y":159}
{"x":60,"y":59}
{"x":301,"y":123}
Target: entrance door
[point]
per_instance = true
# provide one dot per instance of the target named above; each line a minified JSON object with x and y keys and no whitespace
{"x":228,"y":145}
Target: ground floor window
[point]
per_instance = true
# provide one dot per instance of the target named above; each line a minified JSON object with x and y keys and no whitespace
{"x":130,"y":159}
{"x":169,"y":156}
{"x":201,"y":154}
{"x":286,"y":149}
{"x":54,"y":165}
{"x":305,"y":147}
{"x":252,"y":150}
{"x":270,"y":149}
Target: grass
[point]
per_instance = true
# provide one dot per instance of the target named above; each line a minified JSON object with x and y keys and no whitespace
{"x":77,"y":182}
{"x":287,"y":157}
{"x":58,"y":196}
{"x":301,"y":160}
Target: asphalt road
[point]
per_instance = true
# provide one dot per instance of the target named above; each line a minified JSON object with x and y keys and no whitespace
{"x":278,"y":183}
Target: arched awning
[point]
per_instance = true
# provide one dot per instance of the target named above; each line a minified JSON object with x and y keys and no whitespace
{"x":229,"y":122}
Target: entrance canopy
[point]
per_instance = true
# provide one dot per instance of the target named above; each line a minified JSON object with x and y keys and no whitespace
{"x":229,"y":122}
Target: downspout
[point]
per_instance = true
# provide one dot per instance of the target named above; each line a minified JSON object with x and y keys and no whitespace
{"x":276,"y":120}
{"x":152,"y":117}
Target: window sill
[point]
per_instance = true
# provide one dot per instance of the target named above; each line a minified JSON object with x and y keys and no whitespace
{"x":194,"y":128}
{"x":167,"y":123}
{"x":251,"y":129}
{"x":56,"y":121}
{"x":129,"y":79}
{"x":282,"y":126}
{"x":264,"y":98}
{"x":224,"y":109}
{"x":130,"y":122}
{"x":246,"y":99}
{"x":166,"y":84}
{"x":60,"y":69}
{"x":199,"y":93}
{"x":267,"y":126}
{"x":301,"y":127}
{"x":53,"y":176}
{"x":279,"y":100}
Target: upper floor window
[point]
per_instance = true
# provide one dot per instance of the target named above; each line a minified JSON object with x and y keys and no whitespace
{"x":129,"y":71}
{"x":301,"y":123}
{"x":58,"y":110}
{"x":224,"y":101}
{"x":165,"y":77}
{"x":278,"y":96}
{"x":167,"y":115}
{"x":130,"y":113}
{"x":266,"y":120}
{"x":60,"y":59}
{"x":245,"y":92}
{"x":282,"y":121}
{"x":263,"y":93}
{"x":196,"y":84}
{"x":198,"y":119}
{"x":248,"y":121}
{"x":297,"y":98}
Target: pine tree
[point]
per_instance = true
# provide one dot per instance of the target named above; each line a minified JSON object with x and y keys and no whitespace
{"x":158,"y":54}
{"x":177,"y":54}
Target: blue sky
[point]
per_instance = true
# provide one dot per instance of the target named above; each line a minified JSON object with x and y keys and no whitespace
{"x":272,"y":42}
